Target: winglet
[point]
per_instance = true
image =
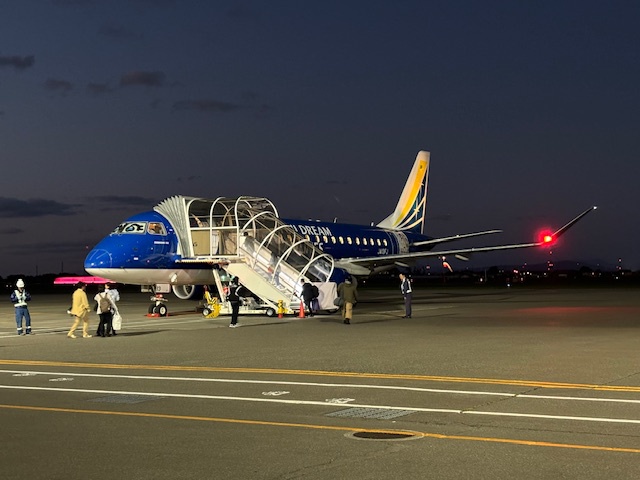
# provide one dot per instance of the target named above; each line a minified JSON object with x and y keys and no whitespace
{"x":410,"y":210}
{"x":560,"y":231}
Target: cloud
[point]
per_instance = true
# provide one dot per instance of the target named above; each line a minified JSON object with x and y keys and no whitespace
{"x":55,"y":85}
{"x":72,"y":2}
{"x":35,"y":207}
{"x":19,"y":63}
{"x":147,"y":79}
{"x":190,"y":178}
{"x":34,"y":249}
{"x":126,"y":200}
{"x":11,"y":231}
{"x":99,"y":88}
{"x":118,"y":32}
{"x":206,"y":106}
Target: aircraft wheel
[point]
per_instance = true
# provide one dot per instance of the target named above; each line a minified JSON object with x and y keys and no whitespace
{"x":152,"y":308}
{"x":206,"y":311}
{"x":270,"y":312}
{"x":162,"y":310}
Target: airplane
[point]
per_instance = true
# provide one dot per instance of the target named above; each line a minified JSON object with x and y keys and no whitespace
{"x":184,"y":242}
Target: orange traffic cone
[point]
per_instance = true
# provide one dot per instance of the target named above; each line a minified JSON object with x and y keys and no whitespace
{"x":301,"y":314}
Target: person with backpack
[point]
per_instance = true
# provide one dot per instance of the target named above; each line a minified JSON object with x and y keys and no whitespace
{"x":105,"y":312}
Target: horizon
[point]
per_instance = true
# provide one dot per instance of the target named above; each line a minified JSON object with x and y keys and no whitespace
{"x":529,"y":112}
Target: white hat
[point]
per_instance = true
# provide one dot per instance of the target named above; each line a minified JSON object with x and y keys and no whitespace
{"x":20,"y":283}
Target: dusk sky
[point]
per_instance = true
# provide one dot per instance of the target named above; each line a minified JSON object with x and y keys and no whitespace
{"x":531,"y":112}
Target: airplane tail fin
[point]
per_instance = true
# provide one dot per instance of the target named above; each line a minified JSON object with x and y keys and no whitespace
{"x":410,"y":210}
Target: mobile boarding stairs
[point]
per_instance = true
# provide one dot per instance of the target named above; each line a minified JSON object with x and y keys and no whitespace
{"x":245,"y":238}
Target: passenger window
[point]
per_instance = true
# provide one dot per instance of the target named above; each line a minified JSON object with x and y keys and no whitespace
{"x":349,"y":241}
{"x":357,"y":241}
{"x":341,"y":240}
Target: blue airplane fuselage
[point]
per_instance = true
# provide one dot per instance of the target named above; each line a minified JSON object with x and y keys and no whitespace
{"x":132,"y":247}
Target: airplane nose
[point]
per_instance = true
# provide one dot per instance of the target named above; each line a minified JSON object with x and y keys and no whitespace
{"x":98,"y":258}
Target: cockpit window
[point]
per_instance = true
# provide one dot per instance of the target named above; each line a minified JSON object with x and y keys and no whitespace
{"x":156,"y":228}
{"x":131,"y":227}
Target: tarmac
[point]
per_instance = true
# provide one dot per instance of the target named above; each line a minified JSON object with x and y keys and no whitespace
{"x":481,"y":382}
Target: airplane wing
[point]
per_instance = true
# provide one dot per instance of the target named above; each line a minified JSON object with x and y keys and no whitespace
{"x":452,"y":238}
{"x":80,"y":278}
{"x":368,"y":265}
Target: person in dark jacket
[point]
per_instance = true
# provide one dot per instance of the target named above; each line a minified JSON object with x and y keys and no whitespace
{"x":405,"y":288}
{"x":307,"y":293}
{"x":234,"y":299}
{"x":349,"y":294}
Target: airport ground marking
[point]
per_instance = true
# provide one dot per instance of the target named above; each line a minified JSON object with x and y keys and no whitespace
{"x":328,"y":402}
{"x":22,"y":373}
{"x":439,"y":436}
{"x":324,"y":373}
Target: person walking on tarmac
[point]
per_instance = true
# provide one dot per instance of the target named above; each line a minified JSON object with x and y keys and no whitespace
{"x":80,"y":310}
{"x":349,"y":294}
{"x":234,"y":299}
{"x":20,"y":297}
{"x":115,"y":297}
{"x":405,"y":288}
{"x":106,"y":307}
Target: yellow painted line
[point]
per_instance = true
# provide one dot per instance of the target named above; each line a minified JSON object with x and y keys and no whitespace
{"x":277,"y":371}
{"x":440,"y":436}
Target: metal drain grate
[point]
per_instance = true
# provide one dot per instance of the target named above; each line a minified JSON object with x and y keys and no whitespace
{"x":377,"y":413}
{"x":126,"y":398}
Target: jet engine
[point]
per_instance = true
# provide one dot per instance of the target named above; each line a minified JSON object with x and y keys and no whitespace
{"x":188,"y":292}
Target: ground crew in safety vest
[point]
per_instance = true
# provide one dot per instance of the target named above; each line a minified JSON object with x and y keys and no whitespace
{"x":20,"y":297}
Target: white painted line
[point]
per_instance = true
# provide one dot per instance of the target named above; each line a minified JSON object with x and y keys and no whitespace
{"x":222,"y":397}
{"x":583,"y":399}
{"x":25,"y":373}
{"x":554,"y":417}
{"x":267,"y":382}
{"x":327,"y":403}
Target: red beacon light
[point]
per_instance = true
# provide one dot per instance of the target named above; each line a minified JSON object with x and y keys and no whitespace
{"x":547,"y":238}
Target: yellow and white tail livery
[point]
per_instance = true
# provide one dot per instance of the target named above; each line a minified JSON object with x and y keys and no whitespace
{"x":410,"y":210}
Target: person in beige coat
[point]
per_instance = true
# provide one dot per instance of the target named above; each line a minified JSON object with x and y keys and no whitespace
{"x":80,"y":310}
